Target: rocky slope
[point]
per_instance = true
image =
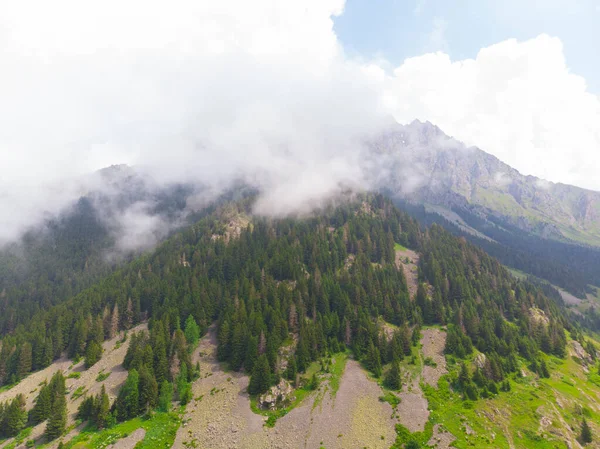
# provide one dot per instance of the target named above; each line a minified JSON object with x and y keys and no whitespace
{"x":425,"y":165}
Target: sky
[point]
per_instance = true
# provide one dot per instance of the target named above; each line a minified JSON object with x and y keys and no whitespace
{"x":282,"y":93}
{"x":399,"y":29}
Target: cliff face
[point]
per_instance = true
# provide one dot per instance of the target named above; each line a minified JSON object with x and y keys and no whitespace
{"x":424,"y":165}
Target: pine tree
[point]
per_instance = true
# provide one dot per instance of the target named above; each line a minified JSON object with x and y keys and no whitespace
{"x":148,"y":389}
{"x":373,"y":361}
{"x":166,"y":396}
{"x":586,"y":433}
{"x":15,"y":416}
{"x":128,"y":318}
{"x":302,"y":356}
{"x":393,"y":377}
{"x":544,"y":370}
{"x":103,"y":412}
{"x":184,"y":389}
{"x":192,"y":331}
{"x":93,"y":353}
{"x":41,"y":409}
{"x":57,"y":420}
{"x":128,"y":399}
{"x":25,"y":360}
{"x":260,"y":380}
{"x":291,"y":370}
{"x":114,"y":322}
{"x":251,"y":354}
{"x":161,"y":364}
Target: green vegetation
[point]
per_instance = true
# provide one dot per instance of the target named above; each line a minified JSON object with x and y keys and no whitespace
{"x":336,"y":370}
{"x":80,"y":391}
{"x":285,"y":286}
{"x":399,"y":247}
{"x":102,"y":376}
{"x":161,"y":429}
{"x":390,"y":398}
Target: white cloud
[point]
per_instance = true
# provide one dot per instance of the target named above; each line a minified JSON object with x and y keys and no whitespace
{"x":208,"y":92}
{"x":194,"y":90}
{"x":516,"y":100}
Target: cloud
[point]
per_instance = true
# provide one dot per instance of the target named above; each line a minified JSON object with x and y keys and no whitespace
{"x":516,"y":100}
{"x":200,"y":92}
{"x":212,"y":93}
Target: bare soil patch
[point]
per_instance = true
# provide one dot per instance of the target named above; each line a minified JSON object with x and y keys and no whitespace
{"x":413,"y":412}
{"x":441,"y":438}
{"x":130,"y":441}
{"x":220,"y":415}
{"x":434,"y":342}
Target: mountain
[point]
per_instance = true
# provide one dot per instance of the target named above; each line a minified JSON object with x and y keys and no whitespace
{"x":548,"y":230}
{"x":450,"y":175}
{"x":393,"y":316}
{"x":354,"y":326}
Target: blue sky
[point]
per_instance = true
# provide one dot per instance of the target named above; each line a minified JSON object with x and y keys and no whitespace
{"x":397,"y":29}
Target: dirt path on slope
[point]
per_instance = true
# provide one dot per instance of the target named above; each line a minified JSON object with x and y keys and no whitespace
{"x":413,"y":410}
{"x":408,"y":260}
{"x":434,"y":342}
{"x":222,"y":418}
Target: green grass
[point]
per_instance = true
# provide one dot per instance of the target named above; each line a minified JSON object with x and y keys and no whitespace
{"x":399,"y":247}
{"x":102,"y":377}
{"x":74,"y":375}
{"x":20,"y":438}
{"x":78,"y":393}
{"x":161,"y":429}
{"x":513,"y":418}
{"x":391,"y":399}
{"x":335,"y":370}
{"x":273,"y":415}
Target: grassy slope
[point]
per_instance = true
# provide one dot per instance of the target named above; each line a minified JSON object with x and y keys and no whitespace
{"x":536,"y":413}
{"x":160,"y":433}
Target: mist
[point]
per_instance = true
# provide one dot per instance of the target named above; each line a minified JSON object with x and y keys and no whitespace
{"x":215,"y":94}
{"x":196,"y":93}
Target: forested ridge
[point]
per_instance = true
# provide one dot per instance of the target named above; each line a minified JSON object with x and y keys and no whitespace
{"x":325,"y":282}
{"x":570,"y":265}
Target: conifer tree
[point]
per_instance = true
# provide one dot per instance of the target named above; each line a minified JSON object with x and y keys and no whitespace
{"x":114,"y":322}
{"x":15,"y":416}
{"x":148,"y":389}
{"x":93,"y":353}
{"x":184,"y":389}
{"x":166,"y":396}
{"x":128,"y":399}
{"x":291,"y":370}
{"x":586,"y":433}
{"x":25,"y":360}
{"x":393,"y":377}
{"x":41,"y":409}
{"x":192,"y":331}
{"x":103,"y":411}
{"x":57,"y":420}
{"x":260,"y":380}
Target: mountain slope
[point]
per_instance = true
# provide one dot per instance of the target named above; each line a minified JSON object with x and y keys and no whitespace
{"x":449,"y":174}
{"x":547,"y":230}
{"x":293,"y":297}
